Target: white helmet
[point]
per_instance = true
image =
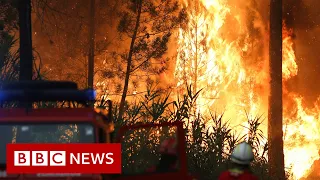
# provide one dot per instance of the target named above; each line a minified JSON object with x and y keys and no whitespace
{"x":242,"y":154}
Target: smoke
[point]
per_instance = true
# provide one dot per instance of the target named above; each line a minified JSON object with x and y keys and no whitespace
{"x":60,"y":35}
{"x":301,"y":14}
{"x":290,"y":11}
{"x":303,"y":17}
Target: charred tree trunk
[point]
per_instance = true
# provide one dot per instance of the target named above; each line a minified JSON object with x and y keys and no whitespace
{"x":195,"y":87}
{"x":129,"y":61}
{"x":275,"y":134}
{"x":25,"y":40}
{"x":26,"y":57}
{"x":196,"y":56}
{"x":91,"y":44}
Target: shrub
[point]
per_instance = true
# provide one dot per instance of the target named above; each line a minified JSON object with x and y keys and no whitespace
{"x":210,"y":140}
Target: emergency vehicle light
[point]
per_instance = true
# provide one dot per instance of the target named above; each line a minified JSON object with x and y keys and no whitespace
{"x":47,"y":95}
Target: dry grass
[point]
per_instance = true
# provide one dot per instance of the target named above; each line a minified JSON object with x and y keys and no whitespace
{"x":208,"y":146}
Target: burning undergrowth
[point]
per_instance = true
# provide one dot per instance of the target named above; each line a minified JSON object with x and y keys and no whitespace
{"x":224,"y":50}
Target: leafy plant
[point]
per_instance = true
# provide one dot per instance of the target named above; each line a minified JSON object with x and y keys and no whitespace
{"x":210,"y":139}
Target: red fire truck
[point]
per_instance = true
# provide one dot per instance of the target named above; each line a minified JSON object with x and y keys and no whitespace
{"x":52,"y":124}
{"x":179,"y":133}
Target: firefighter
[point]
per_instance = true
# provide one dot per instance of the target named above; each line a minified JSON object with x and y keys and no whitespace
{"x":241,"y":158}
{"x":169,"y":157}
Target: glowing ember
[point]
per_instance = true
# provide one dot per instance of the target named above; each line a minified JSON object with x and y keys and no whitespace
{"x":224,"y":50}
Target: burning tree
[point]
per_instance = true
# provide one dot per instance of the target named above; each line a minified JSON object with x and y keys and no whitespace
{"x":148,"y":25}
{"x":225,"y":62}
{"x":238,"y":69}
{"x":192,"y":52}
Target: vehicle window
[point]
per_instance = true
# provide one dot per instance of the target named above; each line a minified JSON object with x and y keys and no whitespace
{"x":49,"y":133}
{"x":141,"y":151}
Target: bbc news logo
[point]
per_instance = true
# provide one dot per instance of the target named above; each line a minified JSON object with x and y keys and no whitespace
{"x":39,"y":158}
{"x":58,"y":158}
{"x":64,"y":158}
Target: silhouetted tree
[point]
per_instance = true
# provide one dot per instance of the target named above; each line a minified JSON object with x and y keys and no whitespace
{"x":275,"y":117}
{"x":9,"y":59}
{"x":148,"y":25}
{"x":61,"y":31}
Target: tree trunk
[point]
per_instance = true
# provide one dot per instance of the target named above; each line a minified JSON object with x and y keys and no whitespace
{"x":126,"y":82}
{"x":275,"y":134}
{"x":91,"y":44}
{"x":197,"y":45}
{"x":26,"y":58}
{"x":25,"y":40}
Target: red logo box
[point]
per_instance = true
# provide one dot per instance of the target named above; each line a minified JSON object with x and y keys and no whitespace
{"x":64,"y":158}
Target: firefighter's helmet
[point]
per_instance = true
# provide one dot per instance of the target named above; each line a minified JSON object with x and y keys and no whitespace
{"x":168,"y":146}
{"x":242,"y":154}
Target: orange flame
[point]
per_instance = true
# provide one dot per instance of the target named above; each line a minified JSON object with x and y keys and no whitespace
{"x":219,"y":52}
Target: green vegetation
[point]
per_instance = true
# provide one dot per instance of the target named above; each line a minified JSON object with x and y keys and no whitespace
{"x":210,"y":140}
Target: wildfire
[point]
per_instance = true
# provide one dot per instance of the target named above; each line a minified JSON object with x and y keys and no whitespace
{"x":224,"y":50}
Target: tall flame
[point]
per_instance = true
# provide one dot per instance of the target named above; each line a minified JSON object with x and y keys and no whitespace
{"x":224,"y":50}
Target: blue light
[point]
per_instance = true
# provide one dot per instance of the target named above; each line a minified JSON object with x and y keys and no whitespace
{"x":8,"y":95}
{"x":2,"y":95}
{"x":50,"y":95}
{"x":91,"y":94}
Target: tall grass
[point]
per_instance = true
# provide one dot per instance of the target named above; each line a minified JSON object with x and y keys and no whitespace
{"x":210,"y":139}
